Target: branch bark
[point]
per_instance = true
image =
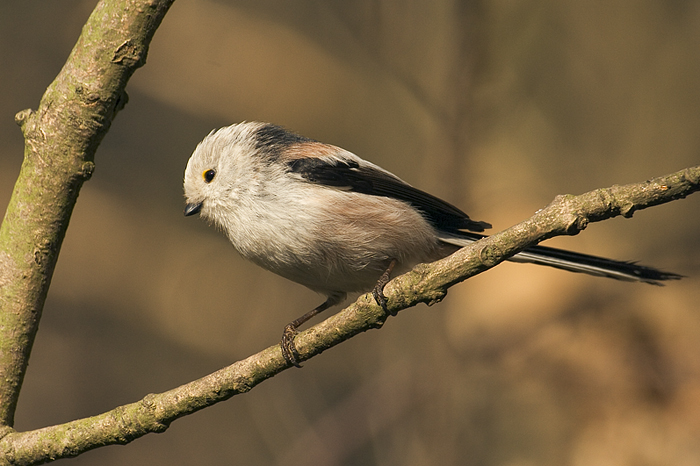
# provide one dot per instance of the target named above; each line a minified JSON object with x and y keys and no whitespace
{"x":426,"y":283}
{"x":61,"y":138}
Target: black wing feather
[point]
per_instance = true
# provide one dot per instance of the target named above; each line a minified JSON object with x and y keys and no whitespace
{"x":350,"y":175}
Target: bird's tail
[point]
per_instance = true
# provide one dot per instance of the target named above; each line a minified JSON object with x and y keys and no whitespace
{"x":577,"y":262}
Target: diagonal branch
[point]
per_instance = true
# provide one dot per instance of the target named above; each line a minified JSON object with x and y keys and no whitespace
{"x":426,"y":283}
{"x":61,"y":138}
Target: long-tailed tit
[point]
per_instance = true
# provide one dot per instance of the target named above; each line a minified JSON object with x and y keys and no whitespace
{"x":325,"y":218}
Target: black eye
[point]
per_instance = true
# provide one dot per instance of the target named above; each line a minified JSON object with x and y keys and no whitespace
{"x":208,"y":175}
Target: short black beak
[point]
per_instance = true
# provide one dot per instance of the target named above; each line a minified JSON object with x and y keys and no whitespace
{"x":191,"y":209}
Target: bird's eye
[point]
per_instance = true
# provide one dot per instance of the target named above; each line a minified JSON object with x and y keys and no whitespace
{"x":208,"y":175}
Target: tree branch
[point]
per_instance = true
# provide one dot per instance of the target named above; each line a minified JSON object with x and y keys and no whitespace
{"x":426,"y":283}
{"x":61,"y":138}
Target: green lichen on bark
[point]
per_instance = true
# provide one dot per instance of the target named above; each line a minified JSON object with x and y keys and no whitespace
{"x":61,"y":138}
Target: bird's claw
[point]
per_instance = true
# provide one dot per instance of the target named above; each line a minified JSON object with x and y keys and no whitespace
{"x":378,"y":293}
{"x":378,"y":290}
{"x":289,"y":350}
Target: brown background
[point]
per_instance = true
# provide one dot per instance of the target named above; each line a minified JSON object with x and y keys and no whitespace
{"x":497,"y":106}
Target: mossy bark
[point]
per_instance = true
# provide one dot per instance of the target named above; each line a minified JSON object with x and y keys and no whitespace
{"x":61,"y":138}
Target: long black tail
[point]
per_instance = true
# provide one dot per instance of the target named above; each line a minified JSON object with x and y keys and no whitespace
{"x":576,"y":262}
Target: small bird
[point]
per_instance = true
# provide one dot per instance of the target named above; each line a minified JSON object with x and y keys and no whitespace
{"x":323,"y":217}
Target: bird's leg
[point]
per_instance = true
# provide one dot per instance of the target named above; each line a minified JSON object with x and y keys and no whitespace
{"x":289,"y":351}
{"x":378,"y":291}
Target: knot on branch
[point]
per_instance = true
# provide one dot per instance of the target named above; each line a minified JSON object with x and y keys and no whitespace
{"x":610,"y":201}
{"x":571,"y":218}
{"x":423,"y":287}
{"x":150,"y":403}
{"x":628,"y":209}
{"x":490,"y":256}
{"x":22,"y":116}
{"x":129,"y":54}
{"x":85,"y":94}
{"x":86,"y":170}
{"x":576,"y":222}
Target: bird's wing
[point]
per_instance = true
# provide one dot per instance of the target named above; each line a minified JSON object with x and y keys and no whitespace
{"x":362,"y":177}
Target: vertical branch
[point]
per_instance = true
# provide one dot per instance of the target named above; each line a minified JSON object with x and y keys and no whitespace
{"x":61,"y":138}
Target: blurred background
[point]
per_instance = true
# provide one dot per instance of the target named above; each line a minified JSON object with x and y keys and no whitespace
{"x":496,"y":106}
